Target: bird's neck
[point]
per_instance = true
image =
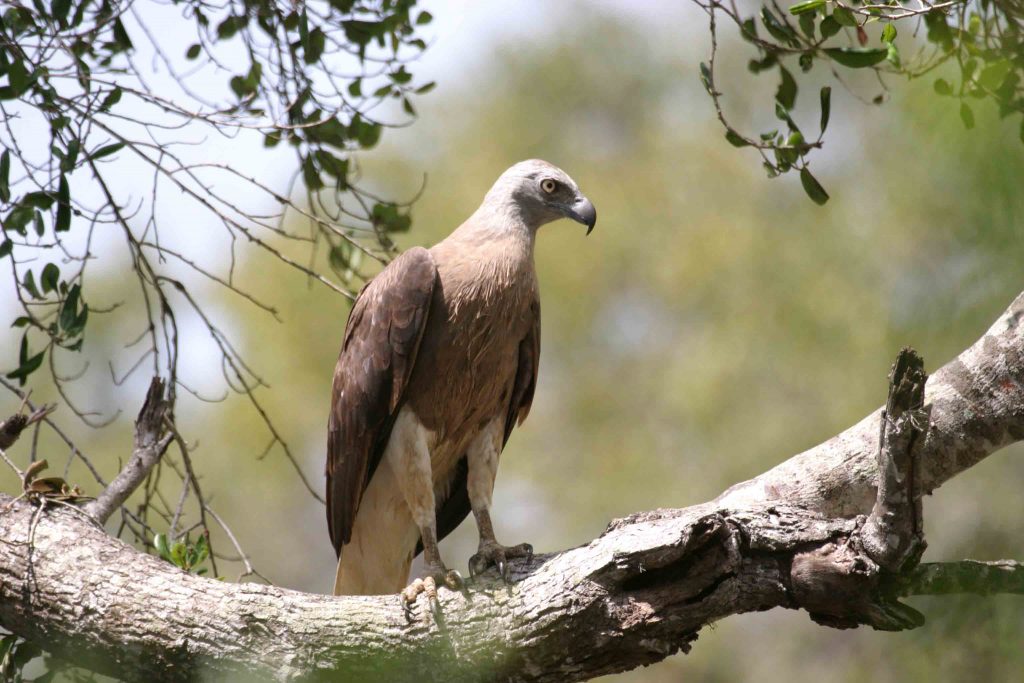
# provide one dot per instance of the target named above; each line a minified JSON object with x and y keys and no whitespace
{"x":500,"y":221}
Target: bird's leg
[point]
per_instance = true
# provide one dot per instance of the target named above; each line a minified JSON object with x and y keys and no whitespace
{"x":483,"y":467}
{"x":415,"y":479}
{"x":490,"y":552}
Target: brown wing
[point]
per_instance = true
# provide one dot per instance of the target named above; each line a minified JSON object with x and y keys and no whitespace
{"x":377,"y":356}
{"x":456,"y":506}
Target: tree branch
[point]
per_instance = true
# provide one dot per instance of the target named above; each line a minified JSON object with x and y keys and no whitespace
{"x":151,"y":440}
{"x":792,"y":537}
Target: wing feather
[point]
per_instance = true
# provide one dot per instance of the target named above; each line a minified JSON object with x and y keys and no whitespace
{"x":377,"y":357}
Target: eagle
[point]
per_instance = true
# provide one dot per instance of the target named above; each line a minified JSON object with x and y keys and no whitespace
{"x":437,"y":365}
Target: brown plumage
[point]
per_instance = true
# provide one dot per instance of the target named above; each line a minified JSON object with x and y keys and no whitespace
{"x":438,"y":364}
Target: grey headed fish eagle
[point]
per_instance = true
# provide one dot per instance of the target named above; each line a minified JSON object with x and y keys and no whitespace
{"x":438,"y":364}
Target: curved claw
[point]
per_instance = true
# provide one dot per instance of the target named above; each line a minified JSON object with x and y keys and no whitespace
{"x":494,"y":554}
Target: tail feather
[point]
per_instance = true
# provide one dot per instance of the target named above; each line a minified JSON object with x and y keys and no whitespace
{"x":377,"y":559}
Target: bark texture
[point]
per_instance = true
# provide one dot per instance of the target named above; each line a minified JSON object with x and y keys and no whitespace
{"x":793,"y":537}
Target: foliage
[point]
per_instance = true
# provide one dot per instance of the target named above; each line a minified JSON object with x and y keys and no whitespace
{"x":308,"y":75}
{"x":984,"y":38}
{"x":182,"y":553}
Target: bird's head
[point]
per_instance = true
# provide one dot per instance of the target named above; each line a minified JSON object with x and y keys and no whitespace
{"x":539,"y":192}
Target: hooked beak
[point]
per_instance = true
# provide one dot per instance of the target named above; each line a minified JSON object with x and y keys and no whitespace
{"x":582,"y":211}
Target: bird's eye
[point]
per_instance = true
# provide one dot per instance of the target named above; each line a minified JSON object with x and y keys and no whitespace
{"x":548,"y":185}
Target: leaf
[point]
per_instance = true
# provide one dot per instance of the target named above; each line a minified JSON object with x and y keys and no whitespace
{"x":112,"y":98}
{"x":829,"y":27}
{"x":806,"y":6}
{"x":855,"y":58}
{"x":806,"y":21}
{"x":27,"y":364}
{"x":735,"y":139}
{"x":106,"y":150}
{"x":314,"y":46}
{"x":889,"y":33}
{"x":5,"y":173}
{"x":942,"y":87}
{"x":705,"y":77}
{"x":813,"y":188}
{"x":63,"y":222}
{"x":777,"y":29}
{"x":993,"y":75}
{"x":844,"y":17}
{"x":160,"y":543}
{"x":966,"y":115}
{"x":786,"y":94}
{"x":826,"y":106}
{"x":193,"y":51}
{"x":178,"y":554}
{"x":424,"y":18}
{"x":6,"y":247}
{"x":29,"y":284}
{"x":49,"y":278}
{"x":69,"y":309}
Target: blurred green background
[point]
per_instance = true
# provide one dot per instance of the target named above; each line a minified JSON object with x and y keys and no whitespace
{"x":715,"y":323}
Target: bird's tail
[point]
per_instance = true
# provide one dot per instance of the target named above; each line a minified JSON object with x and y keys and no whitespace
{"x":377,"y":558}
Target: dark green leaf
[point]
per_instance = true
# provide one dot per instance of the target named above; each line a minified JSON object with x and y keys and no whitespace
{"x":806,"y":21}
{"x":844,"y":17}
{"x":424,"y":18}
{"x":107,"y":150}
{"x":112,"y":98}
{"x":735,"y":139}
{"x":776,"y":28}
{"x":5,"y":173}
{"x":49,"y":278}
{"x":826,"y":106}
{"x":69,"y":308}
{"x":26,"y":364}
{"x":63,"y":222}
{"x":829,"y":27}
{"x":942,"y":87}
{"x":786,"y":93}
{"x":193,"y":51}
{"x":856,"y":58}
{"x":812,"y":187}
{"x":315,"y":46}
{"x":806,"y":6}
{"x":39,"y":199}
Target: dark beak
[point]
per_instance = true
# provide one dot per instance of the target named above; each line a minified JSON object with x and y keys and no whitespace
{"x":582,"y":211}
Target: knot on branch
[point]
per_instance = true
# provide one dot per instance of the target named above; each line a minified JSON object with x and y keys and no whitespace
{"x":855,"y":581}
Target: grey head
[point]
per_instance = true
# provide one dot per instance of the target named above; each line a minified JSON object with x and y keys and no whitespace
{"x":536,"y":192}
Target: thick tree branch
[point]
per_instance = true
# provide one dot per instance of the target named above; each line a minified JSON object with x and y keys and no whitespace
{"x":793,"y":537}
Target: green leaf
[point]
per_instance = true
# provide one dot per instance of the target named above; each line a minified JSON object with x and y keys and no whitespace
{"x":314,"y":46}
{"x":813,"y":188}
{"x":6,"y":247}
{"x":112,"y":98}
{"x":69,"y":309}
{"x":889,"y":33}
{"x":855,"y":58}
{"x":966,"y":115}
{"x":993,"y":75}
{"x":5,"y":173}
{"x":29,"y":284}
{"x":178,"y":554}
{"x":844,"y":17}
{"x":63,"y":222}
{"x":786,"y":93}
{"x":735,"y":139}
{"x":942,"y":87}
{"x":776,"y":28}
{"x":49,"y":278}
{"x":806,"y":6}
{"x":705,"y":76}
{"x":826,"y":106}
{"x":160,"y":543}
{"x":806,"y":21}
{"x":424,"y":18}
{"x":829,"y":27}
{"x":26,"y":364}
{"x":193,"y":51}
{"x":106,"y":150}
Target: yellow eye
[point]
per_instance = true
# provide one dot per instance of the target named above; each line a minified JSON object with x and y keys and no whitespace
{"x":548,"y":185}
